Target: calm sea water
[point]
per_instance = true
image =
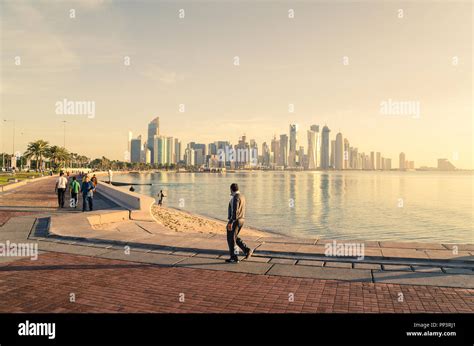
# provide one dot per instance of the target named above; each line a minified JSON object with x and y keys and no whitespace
{"x":407,"y":206}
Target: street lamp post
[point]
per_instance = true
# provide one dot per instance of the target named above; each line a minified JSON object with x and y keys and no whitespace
{"x":64,"y":134}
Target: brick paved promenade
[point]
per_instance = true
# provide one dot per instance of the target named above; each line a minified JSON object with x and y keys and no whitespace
{"x":102,"y":285}
{"x":110,"y":285}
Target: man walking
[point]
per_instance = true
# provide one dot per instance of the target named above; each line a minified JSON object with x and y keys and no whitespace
{"x":236,"y":217}
{"x":161,"y":195}
{"x":61,"y":185}
{"x":87,"y":190}
{"x":74,"y":187}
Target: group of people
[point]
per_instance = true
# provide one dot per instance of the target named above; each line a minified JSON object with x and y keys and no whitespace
{"x":86,"y":187}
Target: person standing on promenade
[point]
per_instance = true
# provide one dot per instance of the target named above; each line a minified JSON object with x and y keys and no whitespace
{"x":61,"y":185}
{"x":161,"y":195}
{"x":94,"y":181}
{"x":87,"y":190}
{"x":236,"y":217}
{"x":74,"y":187}
{"x":110,"y":176}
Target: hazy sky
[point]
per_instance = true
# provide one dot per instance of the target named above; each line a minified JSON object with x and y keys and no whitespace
{"x":283,"y":61}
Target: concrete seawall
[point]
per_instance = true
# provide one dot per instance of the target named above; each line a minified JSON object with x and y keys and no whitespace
{"x":139,"y":205}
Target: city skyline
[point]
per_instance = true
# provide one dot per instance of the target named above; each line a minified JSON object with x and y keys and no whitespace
{"x":318,"y":154}
{"x":252,"y":79}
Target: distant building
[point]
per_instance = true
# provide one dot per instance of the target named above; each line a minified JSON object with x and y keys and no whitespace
{"x":347,"y":154}
{"x":283,"y":151}
{"x":339,"y":152}
{"x":170,"y":151}
{"x":372,"y":160}
{"x":275,"y":152}
{"x":325,"y":148}
{"x":153,"y":130}
{"x":401,"y":162}
{"x":135,"y":149}
{"x":159,"y":156}
{"x":378,"y":161}
{"x":293,"y":145}
{"x":445,"y":165}
{"x":312,"y":150}
{"x":333,"y":154}
{"x":189,"y":156}
{"x":301,"y":157}
{"x":265,"y":155}
{"x":177,"y":151}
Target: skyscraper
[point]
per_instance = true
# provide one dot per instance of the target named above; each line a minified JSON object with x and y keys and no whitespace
{"x":135,"y":149}
{"x":317,"y":151}
{"x":153,"y":130}
{"x":401,"y":162}
{"x":325,"y":148}
{"x":347,"y":154}
{"x":283,"y":151}
{"x":293,"y":145}
{"x":265,"y":155}
{"x":311,"y":161}
{"x":170,"y":154}
{"x":372,"y":160}
{"x":177,"y":150}
{"x":378,"y":160}
{"x":339,"y":152}
{"x":275,"y":149}
{"x":160,"y":150}
{"x":332,"y":157}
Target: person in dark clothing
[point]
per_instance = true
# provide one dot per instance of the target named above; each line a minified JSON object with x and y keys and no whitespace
{"x":87,"y":190}
{"x":161,"y":195}
{"x":236,"y":217}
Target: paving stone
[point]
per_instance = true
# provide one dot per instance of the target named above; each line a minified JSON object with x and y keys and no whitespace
{"x":424,"y":279}
{"x":73,"y":249}
{"x":347,"y":265}
{"x":448,"y":254}
{"x":321,"y":272}
{"x":207,"y":255}
{"x":149,"y":257}
{"x":184,"y":253}
{"x":258,"y":259}
{"x":396,"y":267}
{"x":458,"y":271}
{"x":367,"y":243}
{"x":404,"y":253}
{"x":287,"y":240}
{"x":373,"y":266}
{"x":310,"y":263}
{"x":411,"y":245}
{"x":283,"y":261}
{"x":427,"y":269}
{"x":220,"y":264}
{"x":460,"y":247}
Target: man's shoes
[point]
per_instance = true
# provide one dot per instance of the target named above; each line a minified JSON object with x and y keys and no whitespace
{"x":232,"y":260}
{"x":249,"y":254}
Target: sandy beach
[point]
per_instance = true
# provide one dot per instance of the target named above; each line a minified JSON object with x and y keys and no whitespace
{"x":183,"y":221}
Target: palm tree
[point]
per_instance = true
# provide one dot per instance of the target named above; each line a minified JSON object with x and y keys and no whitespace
{"x":57,"y":155}
{"x":37,"y":149}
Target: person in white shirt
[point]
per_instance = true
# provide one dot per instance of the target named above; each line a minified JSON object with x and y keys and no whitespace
{"x":61,"y":185}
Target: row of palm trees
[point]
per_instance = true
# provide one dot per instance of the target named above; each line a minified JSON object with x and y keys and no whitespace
{"x":58,"y":157}
{"x":40,"y":150}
